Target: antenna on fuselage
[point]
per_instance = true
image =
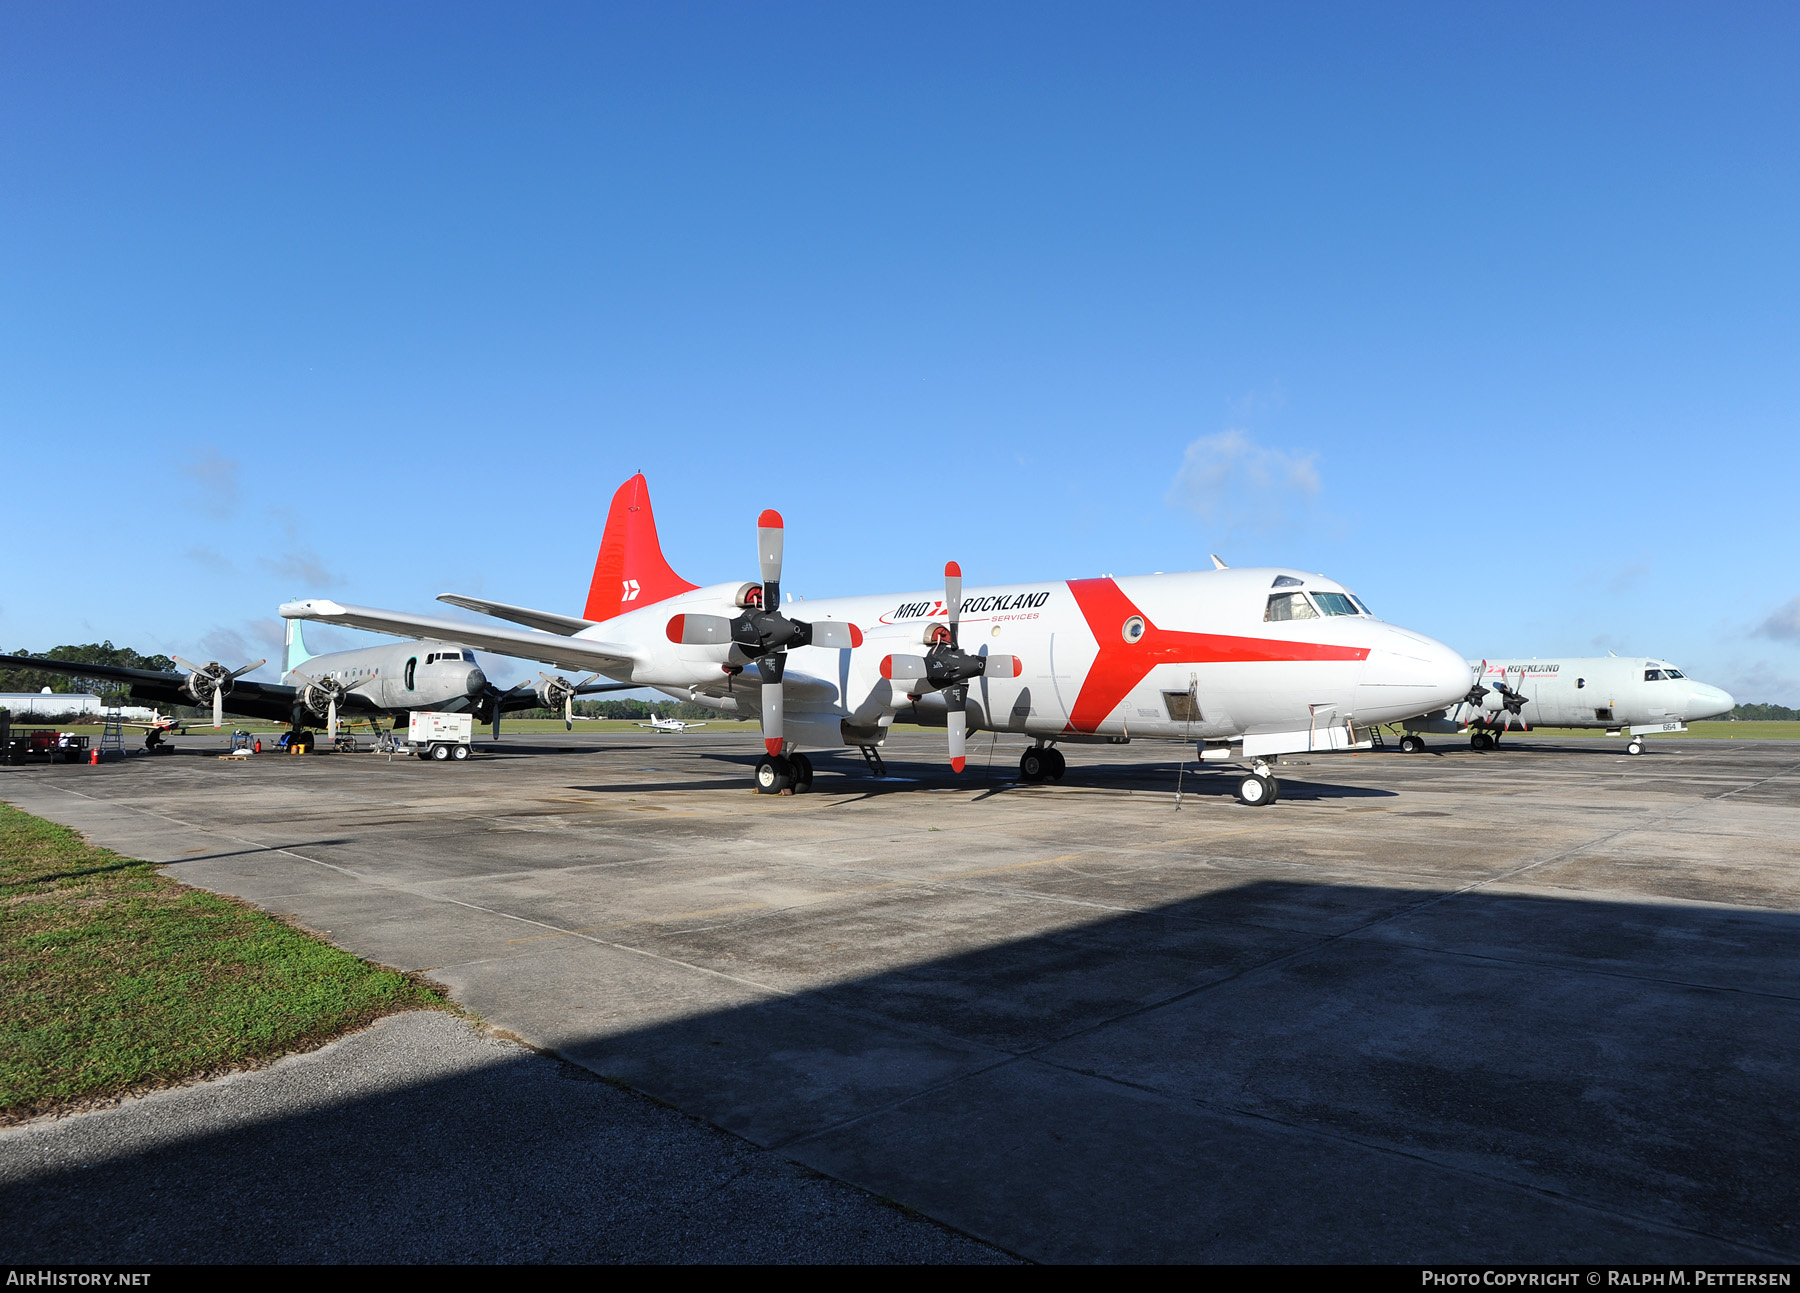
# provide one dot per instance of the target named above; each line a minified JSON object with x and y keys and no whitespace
{"x":1217,"y":564}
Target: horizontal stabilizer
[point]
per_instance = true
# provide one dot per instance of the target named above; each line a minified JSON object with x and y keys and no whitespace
{"x":548,"y":621}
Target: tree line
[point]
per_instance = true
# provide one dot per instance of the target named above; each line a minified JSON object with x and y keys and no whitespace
{"x":89,"y":653}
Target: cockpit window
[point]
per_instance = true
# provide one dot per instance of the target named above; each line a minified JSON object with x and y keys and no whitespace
{"x":1335,"y":603}
{"x":1286,"y":581}
{"x":450,"y":655}
{"x":1673,"y":673}
{"x":1365,"y":606}
{"x":1653,"y":675}
{"x":1289,"y":606}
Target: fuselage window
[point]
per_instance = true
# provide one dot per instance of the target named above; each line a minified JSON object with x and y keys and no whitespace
{"x":1580,"y":683}
{"x":1289,"y":606}
{"x":1335,"y":603}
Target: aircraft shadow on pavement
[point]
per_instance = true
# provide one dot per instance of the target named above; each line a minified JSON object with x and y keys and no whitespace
{"x":1272,"y":1071}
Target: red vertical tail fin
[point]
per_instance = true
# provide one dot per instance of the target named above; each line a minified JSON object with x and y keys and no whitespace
{"x":630,"y":571}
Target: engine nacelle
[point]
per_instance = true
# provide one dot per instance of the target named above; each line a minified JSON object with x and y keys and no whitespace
{"x":554,"y":693}
{"x":202,"y":683}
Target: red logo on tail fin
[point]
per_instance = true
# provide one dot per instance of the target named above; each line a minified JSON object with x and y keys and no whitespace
{"x":630,"y":571}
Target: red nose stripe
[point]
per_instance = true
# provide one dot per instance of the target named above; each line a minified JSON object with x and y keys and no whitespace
{"x":1122,"y":665}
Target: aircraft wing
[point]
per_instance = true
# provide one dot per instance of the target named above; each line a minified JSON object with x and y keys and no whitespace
{"x":245,"y":699}
{"x":548,"y":621}
{"x":550,"y":648}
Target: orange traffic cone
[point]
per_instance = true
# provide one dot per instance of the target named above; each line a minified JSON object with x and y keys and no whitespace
{"x":94,"y":757}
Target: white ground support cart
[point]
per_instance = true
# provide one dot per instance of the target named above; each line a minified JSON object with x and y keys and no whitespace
{"x":441,"y":737}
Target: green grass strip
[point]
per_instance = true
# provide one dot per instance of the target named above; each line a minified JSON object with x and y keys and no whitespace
{"x":114,"y":977}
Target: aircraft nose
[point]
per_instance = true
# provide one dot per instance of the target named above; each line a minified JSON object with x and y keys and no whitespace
{"x":477,"y":682}
{"x":1407,"y":674}
{"x":1709,"y":702}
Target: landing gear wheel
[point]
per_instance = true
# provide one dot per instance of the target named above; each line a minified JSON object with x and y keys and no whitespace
{"x":440,"y":753}
{"x":1410,"y":744}
{"x":1057,"y":764}
{"x":803,"y":773}
{"x":1636,"y":747}
{"x":460,"y":753}
{"x":773,"y":775}
{"x":1481,"y":741}
{"x":1033,"y":766}
{"x":1256,"y":791}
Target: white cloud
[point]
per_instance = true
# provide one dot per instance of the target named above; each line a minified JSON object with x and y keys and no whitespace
{"x":1783,"y":624}
{"x":1758,"y":682}
{"x":1230,"y":481}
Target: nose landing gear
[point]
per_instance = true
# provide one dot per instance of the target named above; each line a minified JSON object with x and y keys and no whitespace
{"x":1260,"y":788}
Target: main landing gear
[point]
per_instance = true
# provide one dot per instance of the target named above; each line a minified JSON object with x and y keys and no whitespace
{"x":1412,"y":743}
{"x":1260,"y":788}
{"x":1480,"y":741}
{"x":1041,"y":762}
{"x":783,"y":774}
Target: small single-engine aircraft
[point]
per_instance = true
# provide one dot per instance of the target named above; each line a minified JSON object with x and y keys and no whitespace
{"x":658,"y":723}
{"x":1620,"y":695}
{"x":364,"y":684}
{"x":1264,"y":662}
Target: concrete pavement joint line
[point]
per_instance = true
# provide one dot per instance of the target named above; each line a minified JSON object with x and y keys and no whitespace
{"x":457,"y":902}
{"x":1569,"y":968}
{"x":1036,"y":1052}
{"x":1421,"y":1156}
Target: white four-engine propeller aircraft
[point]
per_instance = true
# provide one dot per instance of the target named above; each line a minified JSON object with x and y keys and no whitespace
{"x":1263,"y":661}
{"x":363,"y":684}
{"x":1628,"y":695}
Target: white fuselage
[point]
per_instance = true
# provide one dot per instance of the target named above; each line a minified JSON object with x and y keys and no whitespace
{"x":1608,"y":692}
{"x":1201,"y":656}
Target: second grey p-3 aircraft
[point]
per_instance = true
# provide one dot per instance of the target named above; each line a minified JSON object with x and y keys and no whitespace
{"x":390,"y":680}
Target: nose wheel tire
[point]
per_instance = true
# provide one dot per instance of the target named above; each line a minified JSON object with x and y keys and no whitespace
{"x":1636,"y":747}
{"x":1410,"y":744}
{"x":1257,"y":791}
{"x":773,"y":775}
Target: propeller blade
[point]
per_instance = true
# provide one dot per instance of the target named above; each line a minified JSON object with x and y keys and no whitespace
{"x":189,"y":665}
{"x":698,"y":630}
{"x":959,"y":728}
{"x":568,"y":714}
{"x":772,"y":718}
{"x":769,"y":532}
{"x":834,"y":634}
{"x":953,"y":596}
{"x":238,"y":673}
{"x":902,"y":668}
{"x":496,"y":721}
{"x":218,"y":708}
{"x":1002,"y":666}
{"x":331,"y":718}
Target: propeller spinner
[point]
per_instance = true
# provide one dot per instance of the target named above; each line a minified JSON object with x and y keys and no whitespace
{"x":946,"y":667}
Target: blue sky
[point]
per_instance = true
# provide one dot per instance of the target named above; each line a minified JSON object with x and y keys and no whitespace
{"x":1487,"y":311}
